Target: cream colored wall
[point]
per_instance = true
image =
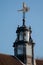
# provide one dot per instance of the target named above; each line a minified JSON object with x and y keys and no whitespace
{"x":34,"y":62}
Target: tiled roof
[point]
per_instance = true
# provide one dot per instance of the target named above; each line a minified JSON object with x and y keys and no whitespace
{"x":12,"y":60}
{"x":39,"y":62}
{"x":9,"y":60}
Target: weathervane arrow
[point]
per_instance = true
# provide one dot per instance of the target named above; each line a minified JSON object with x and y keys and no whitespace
{"x":24,"y":10}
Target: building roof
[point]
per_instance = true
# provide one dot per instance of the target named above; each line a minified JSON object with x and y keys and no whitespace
{"x":39,"y":62}
{"x":12,"y":60}
{"x":9,"y":60}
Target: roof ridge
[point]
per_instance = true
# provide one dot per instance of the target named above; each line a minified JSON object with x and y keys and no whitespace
{"x":5,"y":54}
{"x":19,"y":60}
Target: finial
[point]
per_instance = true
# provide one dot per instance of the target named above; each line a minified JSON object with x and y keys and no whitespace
{"x":24,"y":10}
{"x":30,"y":29}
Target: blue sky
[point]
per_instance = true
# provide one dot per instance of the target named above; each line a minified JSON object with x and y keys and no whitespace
{"x":10,"y":18}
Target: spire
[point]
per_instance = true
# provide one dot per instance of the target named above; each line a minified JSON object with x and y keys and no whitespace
{"x":24,"y":10}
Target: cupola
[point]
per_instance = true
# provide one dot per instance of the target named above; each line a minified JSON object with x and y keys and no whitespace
{"x":24,"y":45}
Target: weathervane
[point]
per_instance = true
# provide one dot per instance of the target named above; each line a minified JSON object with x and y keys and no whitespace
{"x":24,"y":10}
